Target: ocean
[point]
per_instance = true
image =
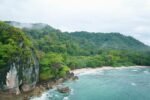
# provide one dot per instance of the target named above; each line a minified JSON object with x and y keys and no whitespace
{"x":131,"y":83}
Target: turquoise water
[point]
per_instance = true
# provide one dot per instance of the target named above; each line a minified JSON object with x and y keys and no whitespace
{"x":114,"y":84}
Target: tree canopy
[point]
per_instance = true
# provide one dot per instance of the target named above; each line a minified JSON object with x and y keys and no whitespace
{"x":58,"y":52}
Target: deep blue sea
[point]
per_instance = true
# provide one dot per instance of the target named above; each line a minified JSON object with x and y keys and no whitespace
{"x":115,"y":84}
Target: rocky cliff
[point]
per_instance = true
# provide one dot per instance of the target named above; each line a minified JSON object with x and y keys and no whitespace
{"x":21,"y":76}
{"x":19,"y":68}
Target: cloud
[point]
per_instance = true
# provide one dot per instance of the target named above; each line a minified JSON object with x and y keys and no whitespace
{"x":125,"y":16}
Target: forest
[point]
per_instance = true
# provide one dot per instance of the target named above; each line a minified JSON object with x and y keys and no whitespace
{"x":58,"y":52}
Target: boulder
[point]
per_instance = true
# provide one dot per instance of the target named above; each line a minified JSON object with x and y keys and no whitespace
{"x":64,"y":90}
{"x":75,"y":78}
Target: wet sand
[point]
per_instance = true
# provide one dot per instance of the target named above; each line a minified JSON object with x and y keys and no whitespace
{"x":92,"y":70}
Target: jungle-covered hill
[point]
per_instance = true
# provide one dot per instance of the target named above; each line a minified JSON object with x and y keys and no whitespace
{"x":58,"y":51}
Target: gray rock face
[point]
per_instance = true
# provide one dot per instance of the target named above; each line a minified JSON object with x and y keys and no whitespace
{"x":30,"y":75}
{"x":20,"y":75}
{"x":12,"y":81}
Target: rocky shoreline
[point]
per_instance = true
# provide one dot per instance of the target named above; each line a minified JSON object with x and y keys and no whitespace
{"x":38,"y":89}
{"x":43,"y":86}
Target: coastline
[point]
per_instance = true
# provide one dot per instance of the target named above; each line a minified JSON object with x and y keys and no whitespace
{"x":44,"y":86}
{"x":77,"y":72}
{"x":39,"y":89}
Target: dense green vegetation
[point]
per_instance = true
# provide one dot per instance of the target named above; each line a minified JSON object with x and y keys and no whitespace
{"x":60,"y":51}
{"x":13,"y":43}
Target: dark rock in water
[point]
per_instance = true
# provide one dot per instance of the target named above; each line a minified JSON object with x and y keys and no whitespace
{"x":64,"y":90}
{"x":75,"y":78}
{"x":71,"y":76}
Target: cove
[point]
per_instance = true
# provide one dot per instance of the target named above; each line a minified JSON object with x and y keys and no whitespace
{"x":131,"y":83}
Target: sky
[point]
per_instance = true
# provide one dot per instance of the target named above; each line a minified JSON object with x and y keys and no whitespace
{"x":129,"y":17}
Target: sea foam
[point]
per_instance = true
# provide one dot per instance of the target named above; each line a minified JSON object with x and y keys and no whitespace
{"x":65,"y":98}
{"x":42,"y":97}
{"x":133,"y":84}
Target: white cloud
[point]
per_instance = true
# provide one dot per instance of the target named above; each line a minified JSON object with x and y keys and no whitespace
{"x":130,"y":17}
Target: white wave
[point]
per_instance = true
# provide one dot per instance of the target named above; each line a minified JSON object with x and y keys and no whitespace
{"x":133,"y":84}
{"x":56,"y":95}
{"x":42,"y":97}
{"x":146,"y":72}
{"x":65,"y":98}
{"x":72,"y":91}
{"x":135,"y":70}
{"x":92,"y":72}
{"x":88,"y":72}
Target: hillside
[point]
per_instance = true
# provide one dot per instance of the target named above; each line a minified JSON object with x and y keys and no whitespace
{"x":57,"y":51}
{"x":110,"y":41}
{"x":82,"y":42}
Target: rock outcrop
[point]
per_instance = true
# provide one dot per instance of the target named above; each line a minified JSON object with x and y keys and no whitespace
{"x":21,"y":76}
{"x":64,"y":89}
{"x":19,"y":68}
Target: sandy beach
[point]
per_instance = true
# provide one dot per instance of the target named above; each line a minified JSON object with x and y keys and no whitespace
{"x":93,"y":70}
